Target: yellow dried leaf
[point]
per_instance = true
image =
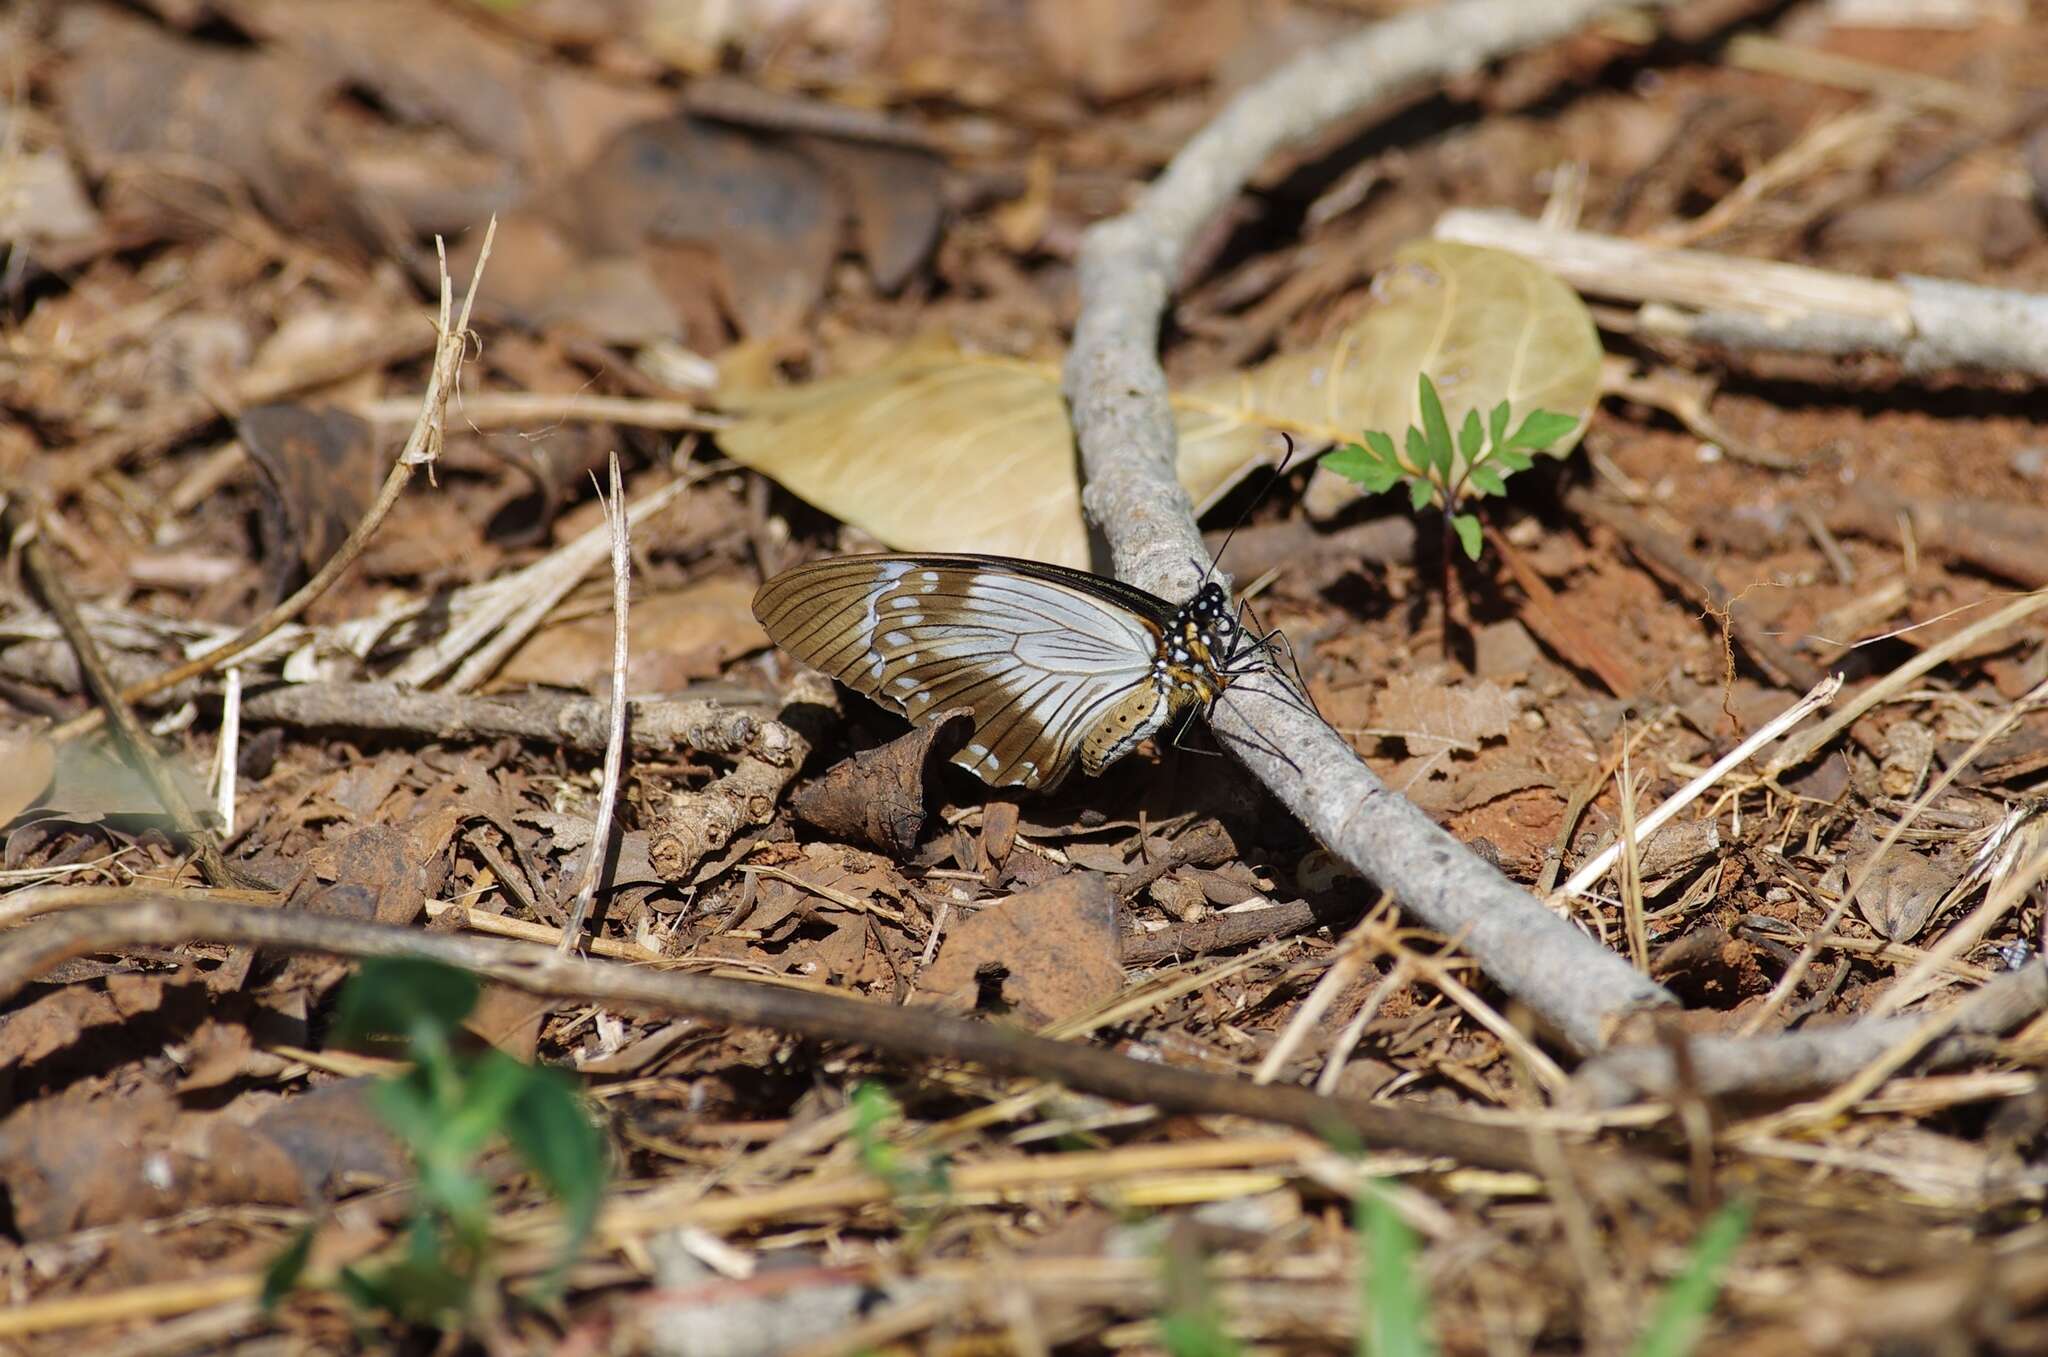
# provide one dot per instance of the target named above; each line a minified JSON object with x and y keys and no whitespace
{"x":939,"y":450}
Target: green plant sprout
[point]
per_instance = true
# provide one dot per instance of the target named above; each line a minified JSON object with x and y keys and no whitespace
{"x":1396,"y":1304}
{"x":1442,"y":472}
{"x":874,"y":1113}
{"x":1192,"y":1322}
{"x":448,"y":1109}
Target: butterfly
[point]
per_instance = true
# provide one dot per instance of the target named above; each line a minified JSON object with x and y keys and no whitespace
{"x":1057,"y":665}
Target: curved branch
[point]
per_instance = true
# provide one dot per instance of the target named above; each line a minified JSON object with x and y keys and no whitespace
{"x":1117,"y":389}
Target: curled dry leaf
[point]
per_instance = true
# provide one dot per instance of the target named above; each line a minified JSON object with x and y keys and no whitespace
{"x":940,"y":450}
{"x":878,"y":795}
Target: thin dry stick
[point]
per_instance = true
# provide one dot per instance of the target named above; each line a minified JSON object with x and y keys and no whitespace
{"x":20,"y":526}
{"x":2002,"y":900}
{"x":1630,"y":877}
{"x":1354,"y":1031}
{"x":1583,"y":880}
{"x":1124,"y":425}
{"x":498,"y":409}
{"x":1797,"y":970}
{"x":1350,"y":960}
{"x":615,"y":746}
{"x":1786,"y":1064}
{"x":421,"y":448}
{"x":228,"y":750}
{"x":1798,"y":751}
{"x":102,"y":919}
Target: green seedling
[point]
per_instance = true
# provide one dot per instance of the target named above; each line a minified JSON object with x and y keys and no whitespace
{"x":448,"y":1109}
{"x":1450,"y":473}
{"x":1396,"y":1305}
{"x":1193,"y":1323}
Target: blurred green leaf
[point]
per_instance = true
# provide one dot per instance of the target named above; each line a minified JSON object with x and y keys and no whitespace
{"x":1396,"y":1307}
{"x":402,"y":997}
{"x":1487,"y":480}
{"x":1683,"y":1310}
{"x":1469,"y":534}
{"x":1471,"y":437}
{"x":282,"y":1275}
{"x":1436,"y":430}
{"x":1364,"y":467}
{"x":552,"y":1132}
{"x":1541,"y":429}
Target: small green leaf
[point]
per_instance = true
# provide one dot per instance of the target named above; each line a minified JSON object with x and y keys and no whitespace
{"x":1497,"y":424}
{"x":1486,"y":479}
{"x":1421,"y":494}
{"x":1469,"y":535}
{"x":421,"y":1291}
{"x":1511,"y":459}
{"x":400,"y":997}
{"x":1435,"y":427}
{"x":1471,"y":437}
{"x":1420,"y":459}
{"x":549,"y":1128}
{"x":1395,"y":1304}
{"x":1686,"y":1303}
{"x":1356,"y":464}
{"x":1541,"y":429}
{"x":1382,"y":446}
{"x":282,"y":1275}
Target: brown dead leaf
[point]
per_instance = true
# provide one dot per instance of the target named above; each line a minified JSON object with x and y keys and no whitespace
{"x":27,"y":763}
{"x":674,"y":638}
{"x":321,"y":469}
{"x":540,"y":279}
{"x":878,"y":795}
{"x":509,"y":1019}
{"x":1053,"y":951}
{"x":894,"y":193}
{"x":76,"y":1162}
{"x":56,"y":1021}
{"x":44,"y":204}
{"x":1115,"y":51}
{"x":769,"y":212}
{"x":1424,"y":707}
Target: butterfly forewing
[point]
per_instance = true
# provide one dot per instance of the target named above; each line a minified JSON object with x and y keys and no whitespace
{"x":1042,"y":656}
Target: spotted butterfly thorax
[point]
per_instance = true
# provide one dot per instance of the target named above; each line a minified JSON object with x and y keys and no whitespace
{"x":1058,"y":666}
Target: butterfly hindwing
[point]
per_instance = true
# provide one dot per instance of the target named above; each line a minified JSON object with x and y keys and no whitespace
{"x":1044,"y":657}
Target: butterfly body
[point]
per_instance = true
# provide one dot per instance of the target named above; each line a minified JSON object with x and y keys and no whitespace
{"x":1058,"y":666}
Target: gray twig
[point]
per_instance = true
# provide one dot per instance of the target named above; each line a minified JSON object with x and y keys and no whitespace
{"x":86,"y":920}
{"x":1128,"y":267}
{"x":570,"y":721}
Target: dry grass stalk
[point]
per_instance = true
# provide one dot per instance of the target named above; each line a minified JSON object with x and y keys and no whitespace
{"x":615,"y":745}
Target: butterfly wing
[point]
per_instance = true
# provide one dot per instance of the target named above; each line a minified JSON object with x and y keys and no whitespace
{"x":1041,"y":655}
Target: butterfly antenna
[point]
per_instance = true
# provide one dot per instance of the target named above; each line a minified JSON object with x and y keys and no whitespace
{"x":1279,"y":469}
